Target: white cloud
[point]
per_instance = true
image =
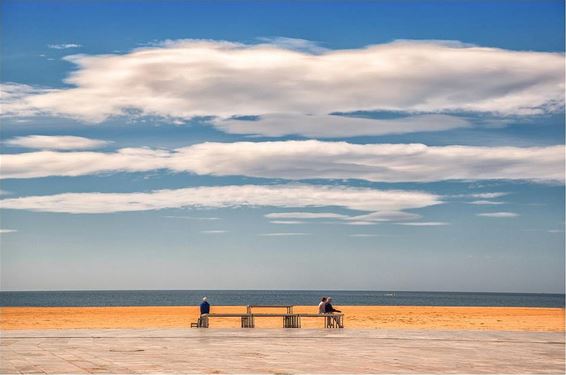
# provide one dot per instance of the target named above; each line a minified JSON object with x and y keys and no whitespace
{"x":305,"y":215}
{"x":306,"y":160}
{"x":192,"y":218}
{"x":53,"y":163}
{"x":214,"y":231}
{"x":6,"y":231}
{"x":55,"y":142}
{"x":499,"y":214}
{"x":491,"y":195}
{"x":187,"y":78}
{"x":425,"y":224}
{"x":283,"y":234}
{"x":360,"y":223}
{"x":64,"y":46}
{"x":288,"y":196}
{"x":386,"y":216}
{"x":287,"y":222}
{"x":333,"y":126}
{"x":486,"y":203}
{"x":14,"y":96}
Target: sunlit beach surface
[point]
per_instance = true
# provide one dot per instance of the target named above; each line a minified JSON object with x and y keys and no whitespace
{"x":358,"y":317}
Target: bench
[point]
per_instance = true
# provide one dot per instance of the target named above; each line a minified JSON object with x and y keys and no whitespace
{"x":330,"y":320}
{"x":246,"y":320}
{"x":289,"y":320}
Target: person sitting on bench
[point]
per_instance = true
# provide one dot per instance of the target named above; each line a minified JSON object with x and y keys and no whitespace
{"x":204,"y":306}
{"x":329,"y":309}
{"x":322,"y":306}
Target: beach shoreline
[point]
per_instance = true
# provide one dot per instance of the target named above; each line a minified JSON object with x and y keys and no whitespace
{"x":536,"y":319}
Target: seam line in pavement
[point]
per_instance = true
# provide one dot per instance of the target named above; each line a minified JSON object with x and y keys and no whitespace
{"x":282,"y":338}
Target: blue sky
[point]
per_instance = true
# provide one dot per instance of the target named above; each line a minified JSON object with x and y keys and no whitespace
{"x":283,"y":145}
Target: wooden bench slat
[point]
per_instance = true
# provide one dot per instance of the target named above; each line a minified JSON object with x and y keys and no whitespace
{"x":226,"y":315}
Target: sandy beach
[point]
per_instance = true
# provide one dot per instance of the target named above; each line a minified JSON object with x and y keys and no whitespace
{"x":376,"y":317}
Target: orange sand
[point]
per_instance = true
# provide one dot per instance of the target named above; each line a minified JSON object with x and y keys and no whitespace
{"x":410,"y":317}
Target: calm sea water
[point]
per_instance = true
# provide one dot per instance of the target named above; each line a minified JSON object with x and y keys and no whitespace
{"x":270,"y":297}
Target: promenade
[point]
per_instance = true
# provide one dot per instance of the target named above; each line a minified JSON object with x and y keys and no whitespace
{"x":279,"y":351}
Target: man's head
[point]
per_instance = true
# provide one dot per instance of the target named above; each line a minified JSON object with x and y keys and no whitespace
{"x":323,"y":299}
{"x":204,"y":299}
{"x":329,"y":299}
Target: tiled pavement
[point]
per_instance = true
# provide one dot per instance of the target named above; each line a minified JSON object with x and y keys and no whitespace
{"x":279,"y":351}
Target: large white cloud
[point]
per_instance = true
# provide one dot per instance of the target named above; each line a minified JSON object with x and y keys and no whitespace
{"x":188,"y":78}
{"x":306,"y":160}
{"x":363,"y":199}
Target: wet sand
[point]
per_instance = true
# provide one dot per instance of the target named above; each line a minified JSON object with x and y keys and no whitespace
{"x":368,"y":317}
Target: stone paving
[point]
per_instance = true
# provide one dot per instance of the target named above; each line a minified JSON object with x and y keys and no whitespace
{"x":77,"y":351}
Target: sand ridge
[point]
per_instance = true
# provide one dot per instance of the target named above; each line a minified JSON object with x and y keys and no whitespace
{"x":410,"y":317}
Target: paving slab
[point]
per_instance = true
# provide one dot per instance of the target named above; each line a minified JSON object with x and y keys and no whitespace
{"x":75,"y":351}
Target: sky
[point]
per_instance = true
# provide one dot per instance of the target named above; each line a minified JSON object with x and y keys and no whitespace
{"x":382,"y":145}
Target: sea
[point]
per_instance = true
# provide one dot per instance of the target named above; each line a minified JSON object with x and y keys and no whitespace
{"x":275,"y":297}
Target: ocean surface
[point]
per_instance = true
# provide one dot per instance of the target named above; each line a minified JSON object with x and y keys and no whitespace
{"x":274,"y":297}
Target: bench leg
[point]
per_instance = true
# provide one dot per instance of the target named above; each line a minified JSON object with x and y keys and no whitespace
{"x":202,"y":322}
{"x":248,"y":321}
{"x":333,"y":322}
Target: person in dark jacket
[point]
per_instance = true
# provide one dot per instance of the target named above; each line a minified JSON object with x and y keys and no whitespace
{"x":204,"y":306}
{"x":328,"y":308}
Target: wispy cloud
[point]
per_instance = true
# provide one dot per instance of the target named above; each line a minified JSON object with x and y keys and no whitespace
{"x":490,"y":195}
{"x":305,"y":215}
{"x":333,"y":126}
{"x":283,"y":234}
{"x":214,"y":231}
{"x":308,"y":159}
{"x":56,"y":142}
{"x":360,"y":223}
{"x":199,"y":78}
{"x":425,"y":224}
{"x":287,"y":222}
{"x":485,"y":203}
{"x":386,"y":216}
{"x":287,"y":196}
{"x":192,"y":218}
{"x":64,"y":46}
{"x":6,"y":231}
{"x":499,"y":214}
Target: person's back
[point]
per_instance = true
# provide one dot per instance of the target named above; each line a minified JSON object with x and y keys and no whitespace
{"x":204,"y":306}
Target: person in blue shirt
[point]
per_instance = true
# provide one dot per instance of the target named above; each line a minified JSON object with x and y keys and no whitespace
{"x":204,"y":306}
